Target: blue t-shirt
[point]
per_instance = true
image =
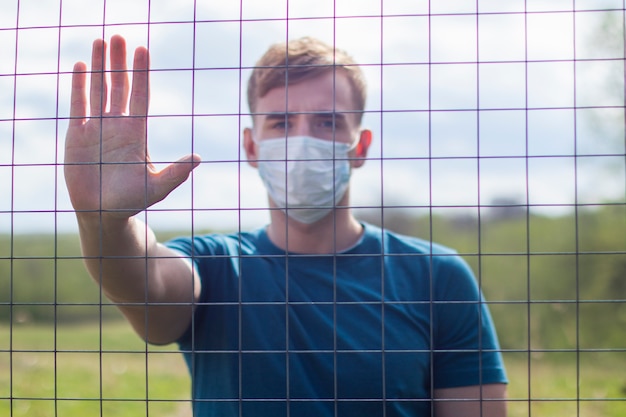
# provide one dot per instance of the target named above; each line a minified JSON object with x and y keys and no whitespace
{"x":373,"y":328}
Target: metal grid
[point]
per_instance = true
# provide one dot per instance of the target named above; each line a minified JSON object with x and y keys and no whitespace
{"x":499,"y":130}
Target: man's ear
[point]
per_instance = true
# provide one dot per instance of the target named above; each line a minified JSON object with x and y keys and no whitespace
{"x":249,"y":146}
{"x":363,"y":144}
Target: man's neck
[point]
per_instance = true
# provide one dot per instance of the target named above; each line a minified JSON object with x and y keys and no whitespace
{"x":336,"y":232}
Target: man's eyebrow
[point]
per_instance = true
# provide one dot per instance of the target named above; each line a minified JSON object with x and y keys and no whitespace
{"x":283,"y":115}
{"x":275,"y":115}
{"x":331,"y":115}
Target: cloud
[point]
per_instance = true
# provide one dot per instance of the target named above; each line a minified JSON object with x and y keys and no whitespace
{"x":464,"y":108}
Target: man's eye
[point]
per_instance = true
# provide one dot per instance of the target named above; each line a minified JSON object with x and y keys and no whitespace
{"x":328,"y":124}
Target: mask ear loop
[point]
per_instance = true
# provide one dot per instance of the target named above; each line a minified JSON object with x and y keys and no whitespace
{"x":254,"y":139}
{"x":355,"y":143}
{"x":352,"y":146}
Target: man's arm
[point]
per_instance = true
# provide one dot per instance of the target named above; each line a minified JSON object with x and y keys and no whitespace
{"x":473,"y":401}
{"x":110,"y":178}
{"x":152,"y":286}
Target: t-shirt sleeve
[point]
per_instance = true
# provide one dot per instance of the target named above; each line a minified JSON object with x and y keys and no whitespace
{"x":201,"y":253}
{"x":185,"y":247}
{"x":215,"y":258}
{"x":466,"y":348}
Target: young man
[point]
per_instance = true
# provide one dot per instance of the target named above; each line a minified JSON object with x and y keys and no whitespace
{"x":316,"y":314}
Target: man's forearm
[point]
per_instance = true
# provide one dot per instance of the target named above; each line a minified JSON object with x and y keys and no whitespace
{"x":118,"y":254}
{"x":488,"y":400}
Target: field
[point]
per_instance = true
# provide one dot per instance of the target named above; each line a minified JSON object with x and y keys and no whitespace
{"x":79,"y":380}
{"x":105,"y":370}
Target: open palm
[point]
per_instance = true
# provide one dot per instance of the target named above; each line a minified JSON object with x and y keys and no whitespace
{"x":107,"y":165}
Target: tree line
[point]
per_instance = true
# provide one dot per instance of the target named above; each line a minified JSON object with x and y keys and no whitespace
{"x":552,"y":282}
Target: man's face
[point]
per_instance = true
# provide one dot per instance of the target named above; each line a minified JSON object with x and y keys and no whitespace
{"x":322,"y":107}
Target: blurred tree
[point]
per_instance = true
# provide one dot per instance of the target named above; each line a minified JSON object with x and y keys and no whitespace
{"x":601,"y":112}
{"x":608,"y":45}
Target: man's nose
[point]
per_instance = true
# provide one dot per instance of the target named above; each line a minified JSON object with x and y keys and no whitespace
{"x":301,"y":126}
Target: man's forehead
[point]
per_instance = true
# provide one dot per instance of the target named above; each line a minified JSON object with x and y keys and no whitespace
{"x":326,"y":93}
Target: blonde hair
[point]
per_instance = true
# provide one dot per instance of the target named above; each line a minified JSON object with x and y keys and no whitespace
{"x":297,"y":60}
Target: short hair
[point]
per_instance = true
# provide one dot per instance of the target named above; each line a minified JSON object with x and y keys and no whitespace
{"x":297,"y":60}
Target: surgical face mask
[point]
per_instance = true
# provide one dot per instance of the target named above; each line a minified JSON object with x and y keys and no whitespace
{"x":304,"y":176}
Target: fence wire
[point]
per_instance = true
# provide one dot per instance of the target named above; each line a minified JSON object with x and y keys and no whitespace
{"x":499,"y":130}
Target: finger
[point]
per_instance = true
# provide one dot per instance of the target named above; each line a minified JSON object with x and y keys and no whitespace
{"x":99,"y":90}
{"x":173,"y":175}
{"x":119,"y":76}
{"x":78,"y":98}
{"x":140,"y":94}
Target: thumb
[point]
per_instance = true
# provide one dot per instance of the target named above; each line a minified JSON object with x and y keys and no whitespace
{"x":173,"y":175}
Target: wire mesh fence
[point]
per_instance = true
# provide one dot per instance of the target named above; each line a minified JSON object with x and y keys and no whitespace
{"x":497,"y":129}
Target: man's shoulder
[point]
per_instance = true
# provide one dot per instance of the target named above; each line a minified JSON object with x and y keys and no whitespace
{"x":436,"y":257}
{"x":220,"y":243}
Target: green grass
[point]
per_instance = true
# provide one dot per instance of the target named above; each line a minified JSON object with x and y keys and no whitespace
{"x":584,"y":384}
{"x":82,"y":370}
{"x":105,"y":370}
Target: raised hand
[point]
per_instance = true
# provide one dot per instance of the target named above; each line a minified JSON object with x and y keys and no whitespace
{"x":107,"y":167}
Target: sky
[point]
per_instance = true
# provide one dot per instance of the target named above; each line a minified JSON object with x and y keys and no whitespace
{"x":470,"y":102}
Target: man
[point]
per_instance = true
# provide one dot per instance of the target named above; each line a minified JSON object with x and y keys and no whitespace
{"x":316,"y":314}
